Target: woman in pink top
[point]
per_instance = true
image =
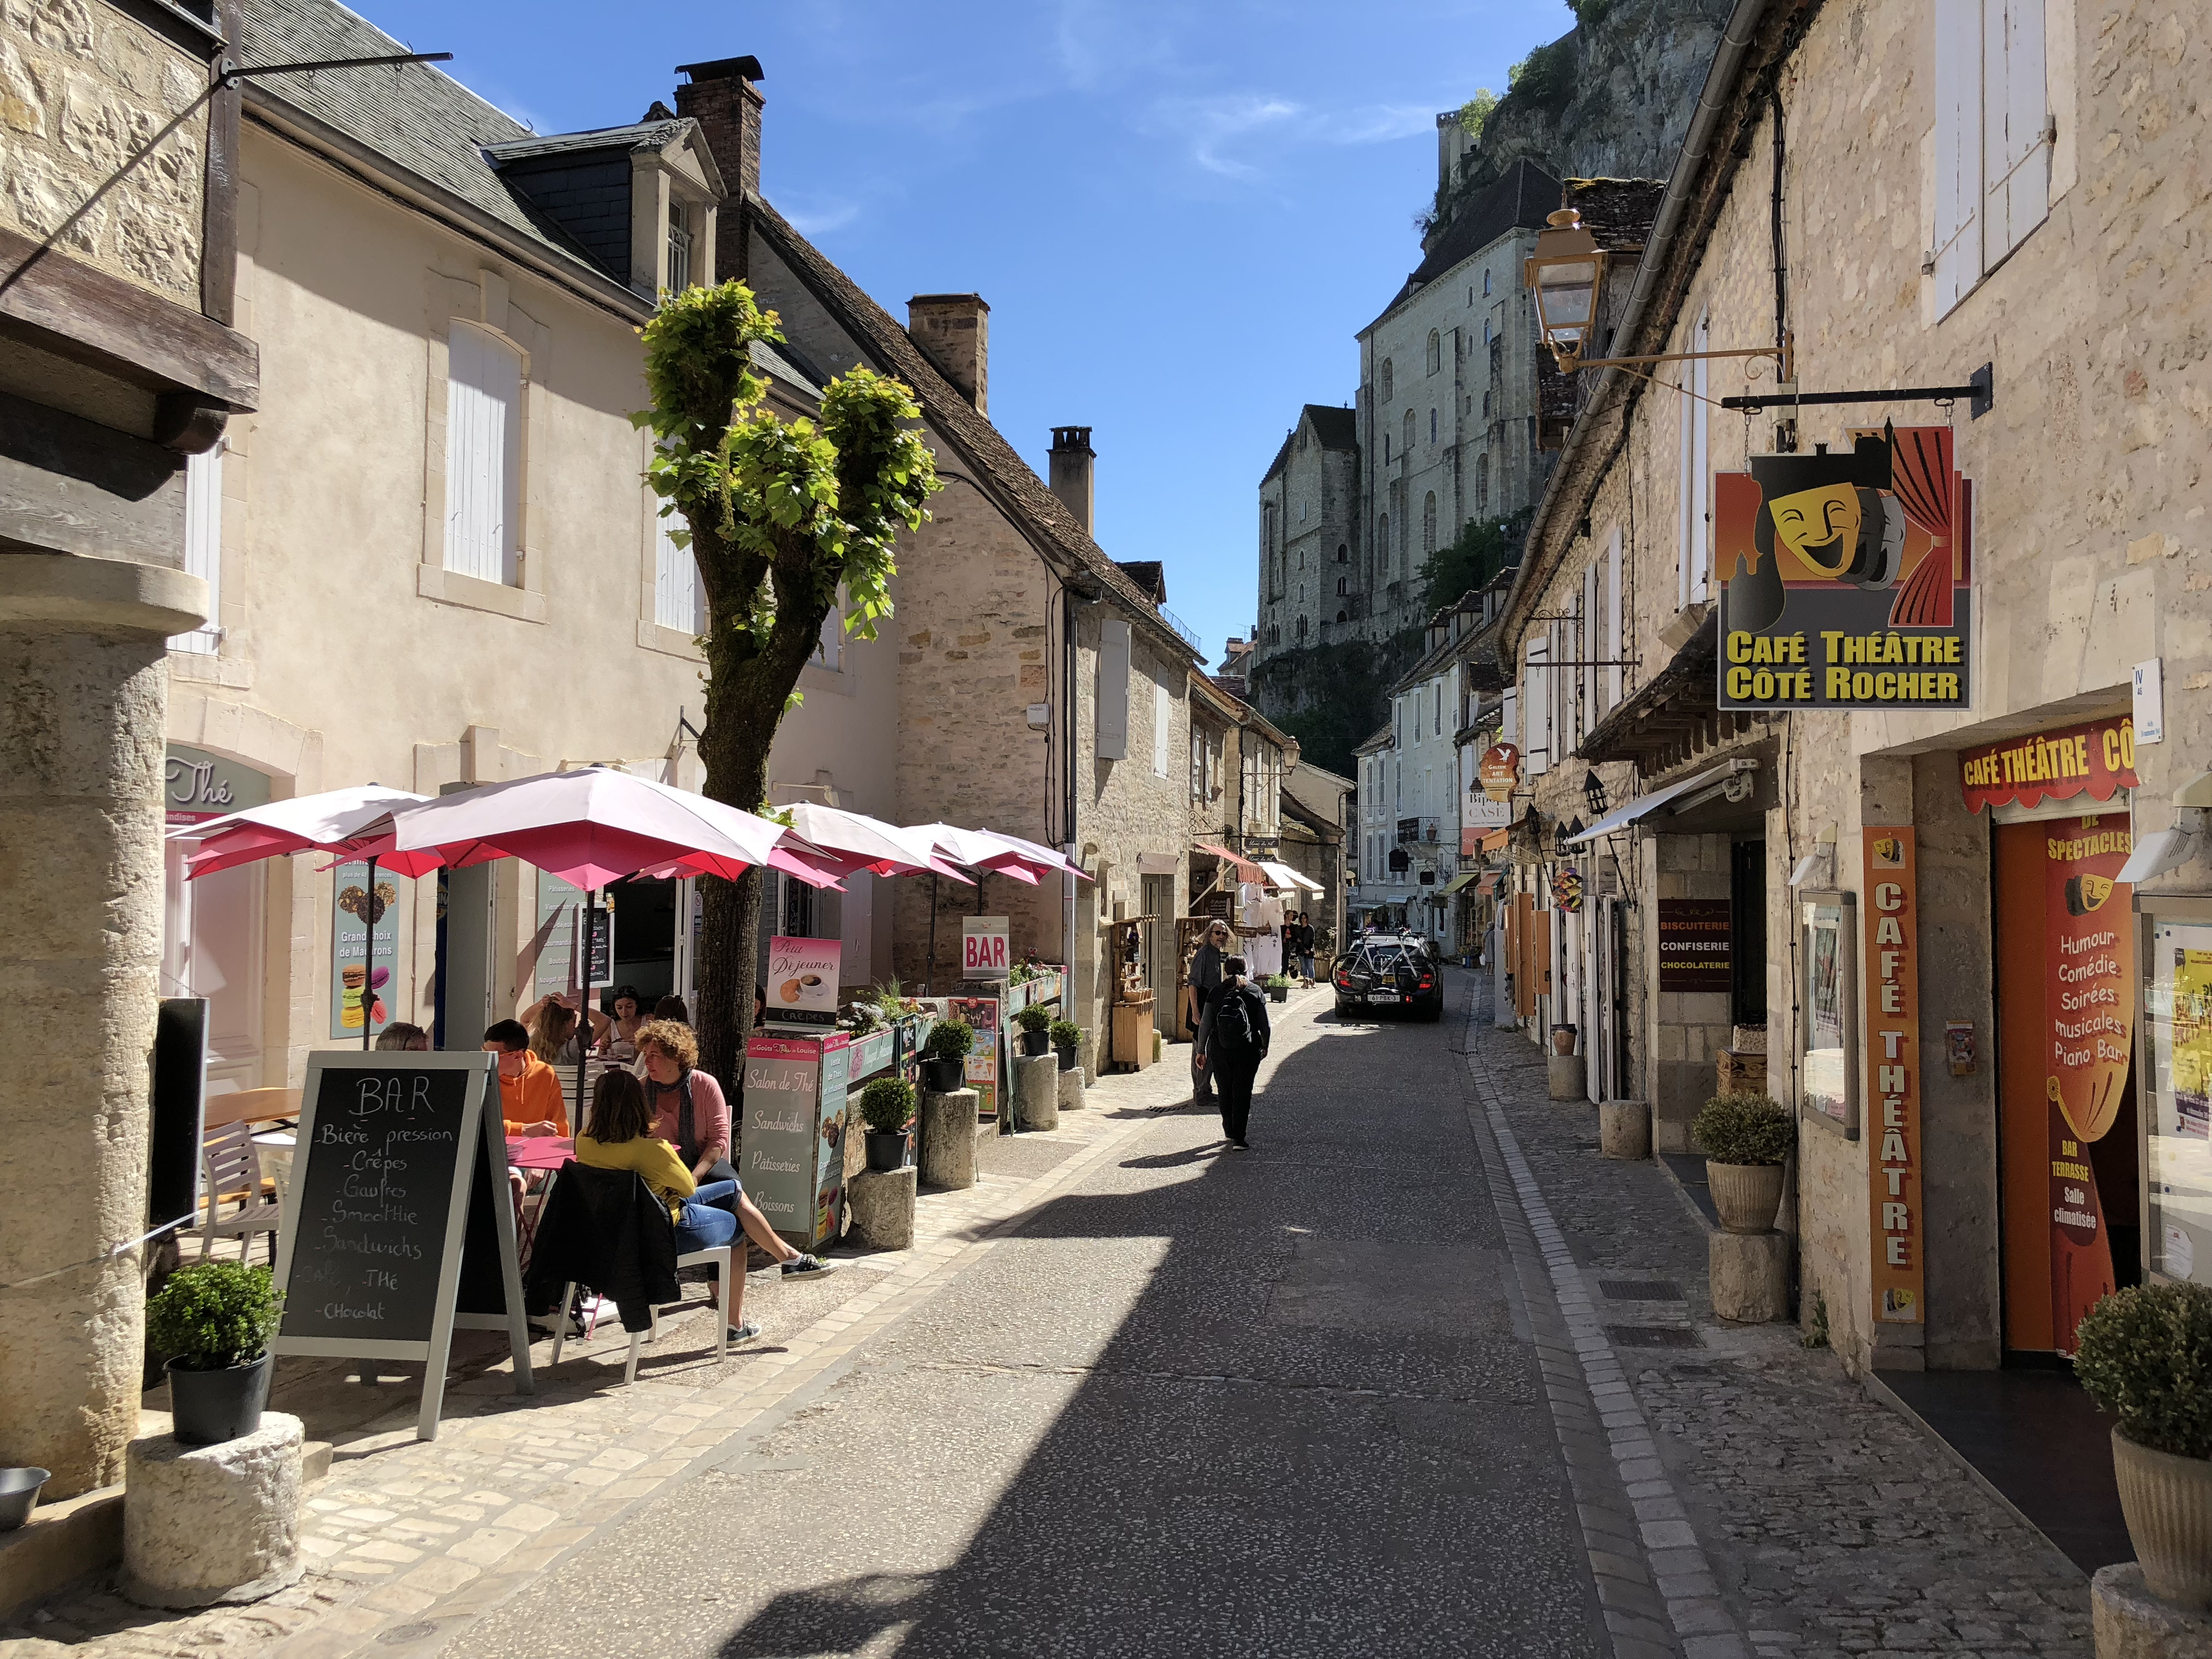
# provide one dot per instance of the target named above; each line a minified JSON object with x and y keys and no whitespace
{"x":691,"y":1113}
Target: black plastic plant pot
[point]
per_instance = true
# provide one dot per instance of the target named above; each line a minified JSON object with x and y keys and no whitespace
{"x":1067,"y":1057}
{"x":886,"y":1152}
{"x":208,"y":1407}
{"x":1035,"y":1042}
{"x":942,"y":1077}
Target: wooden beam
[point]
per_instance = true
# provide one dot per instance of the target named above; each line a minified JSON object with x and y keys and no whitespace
{"x":86,"y":315}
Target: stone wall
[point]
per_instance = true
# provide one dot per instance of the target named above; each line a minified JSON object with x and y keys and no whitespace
{"x":84,"y":88}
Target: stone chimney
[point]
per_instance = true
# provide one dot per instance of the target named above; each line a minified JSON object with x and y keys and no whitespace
{"x":1072,"y":456}
{"x":954,"y":332}
{"x":721,"y":97}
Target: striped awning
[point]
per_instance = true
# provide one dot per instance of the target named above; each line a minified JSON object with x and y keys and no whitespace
{"x":1246,"y":869}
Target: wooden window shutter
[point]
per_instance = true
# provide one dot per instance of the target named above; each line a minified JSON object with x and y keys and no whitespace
{"x":2015,"y":116}
{"x":483,"y":454}
{"x":1957,"y":249}
{"x":203,"y":546}
{"x":1113,"y":690}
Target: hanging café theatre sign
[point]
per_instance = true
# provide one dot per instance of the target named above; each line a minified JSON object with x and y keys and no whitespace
{"x":1849,"y":578}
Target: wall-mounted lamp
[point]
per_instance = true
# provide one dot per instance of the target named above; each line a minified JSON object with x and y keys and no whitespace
{"x":2161,"y":850}
{"x":1593,"y":792}
{"x":1566,"y":274}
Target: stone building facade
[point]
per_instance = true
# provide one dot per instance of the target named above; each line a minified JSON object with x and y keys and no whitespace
{"x":1923,"y":1203}
{"x":1310,"y":589}
{"x":118,"y":359}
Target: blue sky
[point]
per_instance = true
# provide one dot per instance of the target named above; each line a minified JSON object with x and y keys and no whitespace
{"x":1179,"y":210}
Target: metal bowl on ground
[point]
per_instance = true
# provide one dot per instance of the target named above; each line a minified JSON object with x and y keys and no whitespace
{"x":18,"y":1490}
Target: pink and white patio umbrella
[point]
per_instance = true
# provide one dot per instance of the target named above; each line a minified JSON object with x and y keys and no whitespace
{"x":355,"y":823}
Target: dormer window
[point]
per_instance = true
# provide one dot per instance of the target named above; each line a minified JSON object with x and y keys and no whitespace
{"x":679,"y":245}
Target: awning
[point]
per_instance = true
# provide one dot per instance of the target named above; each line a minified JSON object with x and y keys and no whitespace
{"x":1496,"y":840}
{"x":1246,"y":869}
{"x":1487,"y":886}
{"x":1645,"y":806}
{"x":1457,"y":882}
{"x":1281,"y":875}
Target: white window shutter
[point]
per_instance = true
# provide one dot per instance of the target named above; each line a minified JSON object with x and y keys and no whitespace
{"x":2015,"y":115}
{"x":203,"y":546}
{"x":1509,"y":716}
{"x":1113,"y":690}
{"x":1536,"y":697}
{"x":1588,"y":628}
{"x":1615,"y":641}
{"x":483,"y":454}
{"x":1163,"y":727}
{"x":679,"y":599}
{"x":1957,"y":250}
{"x":1682,"y":493}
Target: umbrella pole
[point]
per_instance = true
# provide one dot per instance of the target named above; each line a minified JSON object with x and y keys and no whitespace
{"x":368,"y":962}
{"x":584,"y":1002}
{"x":933,"y":933}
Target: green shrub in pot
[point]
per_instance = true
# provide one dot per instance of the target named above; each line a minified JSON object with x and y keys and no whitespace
{"x":1034,"y":1018}
{"x":1066,"y":1034}
{"x":213,"y":1320}
{"x":887,"y":1105}
{"x":950,"y":1039}
{"x":2144,"y":1355}
{"x":1747,"y":1138}
{"x":1745,"y":1129}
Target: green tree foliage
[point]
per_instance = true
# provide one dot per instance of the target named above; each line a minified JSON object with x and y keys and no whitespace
{"x":1482,"y":549}
{"x":1474,"y":112}
{"x":780,"y":515}
{"x":1545,"y":79}
{"x":1331,"y":697}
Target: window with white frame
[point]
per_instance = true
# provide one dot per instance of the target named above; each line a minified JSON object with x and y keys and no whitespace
{"x":679,"y":245}
{"x":1536,"y":703}
{"x":203,"y":547}
{"x":830,"y":648}
{"x":1993,"y":138}
{"x":1163,"y":726}
{"x":1693,"y":527}
{"x":484,"y":454}
{"x":679,"y":597}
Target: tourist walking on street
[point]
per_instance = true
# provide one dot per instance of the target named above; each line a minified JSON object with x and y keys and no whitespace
{"x":1232,"y":1040}
{"x":1205,"y":981}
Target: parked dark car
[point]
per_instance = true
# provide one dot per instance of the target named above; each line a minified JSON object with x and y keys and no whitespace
{"x":1388,"y":970}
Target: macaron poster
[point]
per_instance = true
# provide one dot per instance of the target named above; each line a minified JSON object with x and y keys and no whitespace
{"x":802,"y":980}
{"x":361,"y":989}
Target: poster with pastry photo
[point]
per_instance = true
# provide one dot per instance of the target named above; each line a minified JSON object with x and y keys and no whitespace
{"x":801,"y":983}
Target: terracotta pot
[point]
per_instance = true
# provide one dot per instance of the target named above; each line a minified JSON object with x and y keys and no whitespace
{"x":1563,"y":1039}
{"x":2167,"y":1501}
{"x":1745,"y":1195}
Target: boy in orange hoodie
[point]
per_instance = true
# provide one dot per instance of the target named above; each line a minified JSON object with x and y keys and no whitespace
{"x":530,"y":1100}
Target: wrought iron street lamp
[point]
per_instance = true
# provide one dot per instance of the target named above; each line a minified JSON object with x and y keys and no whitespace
{"x":1593,"y":792}
{"x":1566,"y":273}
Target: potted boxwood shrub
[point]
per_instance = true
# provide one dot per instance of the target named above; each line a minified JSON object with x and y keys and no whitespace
{"x":213,"y":1320}
{"x":887,"y":1106}
{"x":1746,"y":1139}
{"x":1036,"y":1029}
{"x":2145,"y":1356}
{"x":1278,"y":987}
{"x":943,"y":1052}
{"x":1066,"y":1038}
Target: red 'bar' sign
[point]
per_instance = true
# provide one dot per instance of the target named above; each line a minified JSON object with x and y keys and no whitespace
{"x":2098,"y":758}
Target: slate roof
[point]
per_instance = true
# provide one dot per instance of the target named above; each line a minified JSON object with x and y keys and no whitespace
{"x":415,"y":115}
{"x":1617,"y":212}
{"x":981,"y":445}
{"x":1520,"y":198}
{"x":1150,"y":575}
{"x":1336,"y":428}
{"x":636,"y":136}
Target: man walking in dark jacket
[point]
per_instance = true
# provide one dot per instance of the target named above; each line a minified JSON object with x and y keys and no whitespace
{"x":1232,"y":1040}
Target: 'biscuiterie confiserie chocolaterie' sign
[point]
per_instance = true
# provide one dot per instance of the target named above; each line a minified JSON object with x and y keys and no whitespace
{"x":2097,"y":758}
{"x":1848,"y":578}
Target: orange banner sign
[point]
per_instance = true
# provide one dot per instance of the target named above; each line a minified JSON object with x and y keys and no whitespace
{"x":1892,"y":1055}
{"x":2098,"y":758}
{"x":2091,"y":998}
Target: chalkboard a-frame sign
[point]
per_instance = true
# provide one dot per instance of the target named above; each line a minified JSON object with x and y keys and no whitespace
{"x":392,"y":1148}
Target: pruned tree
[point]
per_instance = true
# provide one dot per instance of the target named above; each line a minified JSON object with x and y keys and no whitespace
{"x":781,"y":515}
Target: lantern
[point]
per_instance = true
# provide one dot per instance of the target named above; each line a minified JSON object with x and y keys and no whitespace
{"x":1566,"y":273}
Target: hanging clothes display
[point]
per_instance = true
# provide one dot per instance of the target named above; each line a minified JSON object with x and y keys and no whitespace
{"x":1263,"y":950}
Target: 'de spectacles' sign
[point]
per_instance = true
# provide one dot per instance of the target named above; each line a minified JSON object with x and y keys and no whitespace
{"x":1849,"y":578}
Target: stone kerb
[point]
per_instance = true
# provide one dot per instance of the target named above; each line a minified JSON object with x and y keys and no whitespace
{"x":948,"y":1139}
{"x":1071,"y":1092}
{"x":204,"y":1524}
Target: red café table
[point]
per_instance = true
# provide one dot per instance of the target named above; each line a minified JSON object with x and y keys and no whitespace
{"x":551,"y":1153}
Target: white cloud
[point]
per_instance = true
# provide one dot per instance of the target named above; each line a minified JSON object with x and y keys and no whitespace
{"x":816,"y":215}
{"x":1214,"y":126}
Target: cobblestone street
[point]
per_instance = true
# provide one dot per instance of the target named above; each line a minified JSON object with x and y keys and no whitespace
{"x":1128,"y":1396}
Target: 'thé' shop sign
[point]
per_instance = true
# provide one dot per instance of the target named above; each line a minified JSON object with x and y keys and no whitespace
{"x":1848,"y":578}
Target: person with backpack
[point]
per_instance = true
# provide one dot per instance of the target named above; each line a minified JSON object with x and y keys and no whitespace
{"x":1232,"y":1040}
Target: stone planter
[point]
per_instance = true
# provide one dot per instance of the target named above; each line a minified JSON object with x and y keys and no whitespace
{"x":210,"y":1524}
{"x":886,"y":1152}
{"x":1624,"y":1129}
{"x":208,"y":1407}
{"x":2167,"y":1501}
{"x":1745,"y":1195}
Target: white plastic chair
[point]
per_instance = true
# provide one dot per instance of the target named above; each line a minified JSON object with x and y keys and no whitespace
{"x":719,"y":1256}
{"x":231,"y":1165}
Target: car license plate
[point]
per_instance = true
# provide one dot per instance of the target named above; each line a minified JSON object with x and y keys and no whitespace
{"x":1382,"y":996}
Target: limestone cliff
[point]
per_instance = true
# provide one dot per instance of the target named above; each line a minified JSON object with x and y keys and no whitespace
{"x":1612,"y":98}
